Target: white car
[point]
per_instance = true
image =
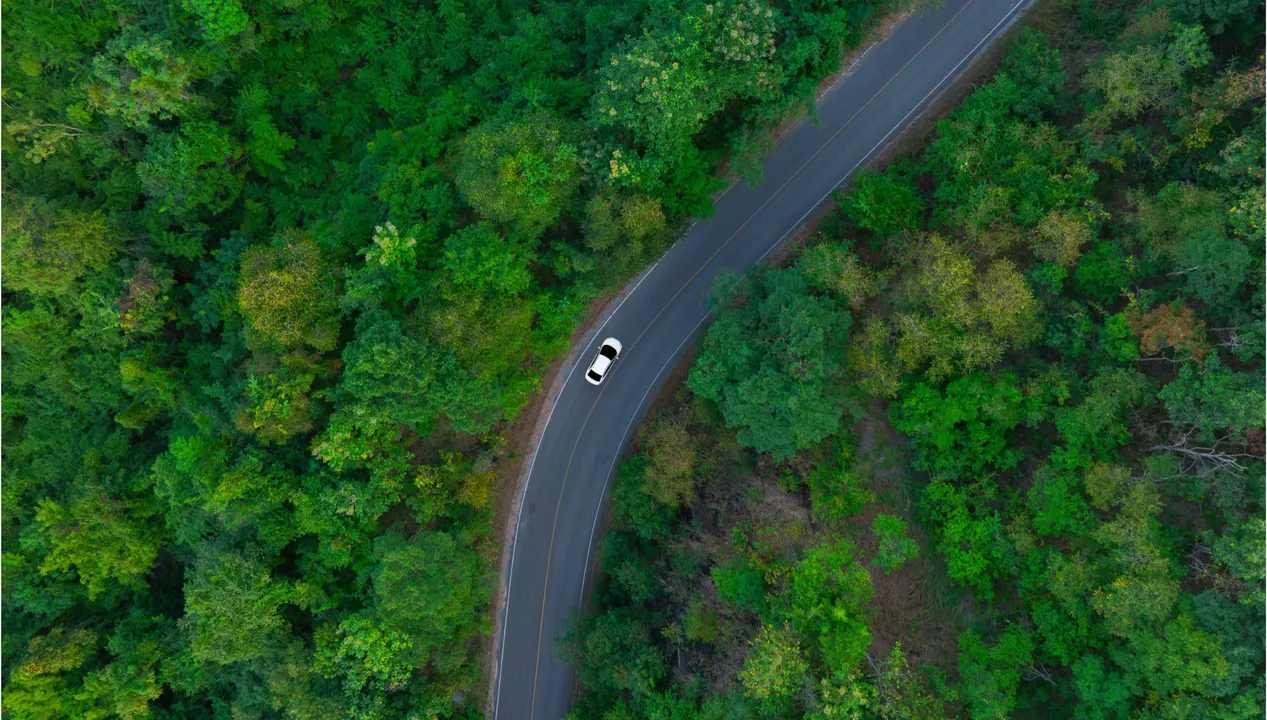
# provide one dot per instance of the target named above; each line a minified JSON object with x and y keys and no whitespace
{"x":607,"y":355}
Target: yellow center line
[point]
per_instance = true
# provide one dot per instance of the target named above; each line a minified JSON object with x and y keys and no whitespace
{"x":567,"y":471}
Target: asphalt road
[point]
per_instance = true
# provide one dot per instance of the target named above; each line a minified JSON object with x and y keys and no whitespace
{"x":589,"y":426}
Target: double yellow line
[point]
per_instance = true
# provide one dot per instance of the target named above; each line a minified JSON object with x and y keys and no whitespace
{"x":550,"y":553}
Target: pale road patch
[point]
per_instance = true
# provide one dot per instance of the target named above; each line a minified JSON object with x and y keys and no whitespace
{"x":570,"y":361}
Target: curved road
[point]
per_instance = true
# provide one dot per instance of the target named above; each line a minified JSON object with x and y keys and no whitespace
{"x":589,"y":427}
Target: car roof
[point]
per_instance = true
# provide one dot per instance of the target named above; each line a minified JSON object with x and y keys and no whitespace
{"x":600,"y":365}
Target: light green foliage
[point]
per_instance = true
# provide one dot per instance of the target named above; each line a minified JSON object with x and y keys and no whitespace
{"x":951,"y":318}
{"x":901,"y":693}
{"x":663,"y":86}
{"x":140,"y":78}
{"x":391,"y":380}
{"x":1095,"y":428}
{"x":993,"y":167}
{"x":775,"y":668}
{"x":825,"y":601}
{"x":267,"y":145}
{"x":521,"y":173}
{"x":992,"y":673}
{"x":1105,"y":484}
{"x":1178,"y":211}
{"x":103,"y":539}
{"x":740,"y":585}
{"x":893,"y":546}
{"x":1117,"y":341}
{"x":770,"y":364}
{"x":1134,"y":81}
{"x":479,"y":257}
{"x":278,"y":405}
{"x":673,"y":454}
{"x":847,"y":698}
{"x":1058,"y":506}
{"x":36,"y":689}
{"x":233,"y":607}
{"x":47,"y":250}
{"x":831,"y":268}
{"x":287,"y":295}
{"x":1059,"y":238}
{"x":624,"y":228}
{"x":970,"y":533}
{"x":220,"y":19}
{"x":220,"y":499}
{"x":871,"y":359}
{"x":428,"y":595}
{"x":836,"y":492}
{"x":1241,"y":550}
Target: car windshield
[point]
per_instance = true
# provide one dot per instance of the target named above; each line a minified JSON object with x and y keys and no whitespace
{"x":608,"y":351}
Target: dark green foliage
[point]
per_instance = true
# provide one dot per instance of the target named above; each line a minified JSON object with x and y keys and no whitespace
{"x":963,"y":432}
{"x":992,"y":674}
{"x":740,"y":585}
{"x":614,"y":653}
{"x":1080,"y":379}
{"x":770,"y":364}
{"x":268,"y":266}
{"x":886,"y":203}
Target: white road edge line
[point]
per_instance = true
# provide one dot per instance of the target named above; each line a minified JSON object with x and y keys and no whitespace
{"x":514,"y":543}
{"x":603,"y":495}
{"x":593,"y":527}
{"x":971,"y":54}
{"x":519,"y":516}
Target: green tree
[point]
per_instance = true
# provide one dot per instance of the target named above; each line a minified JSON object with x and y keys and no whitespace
{"x":893,"y":547}
{"x":992,"y":674}
{"x":614,"y":653}
{"x":287,"y":295}
{"x":771,"y":363}
{"x":824,"y":603}
{"x":37,"y":689}
{"x":1212,"y":398}
{"x":197,"y":168}
{"x":831,"y":268}
{"x":664,"y":85}
{"x":140,"y":77}
{"x":886,"y":203}
{"x":104,"y":539}
{"x":220,"y":19}
{"x":673,"y":453}
{"x":775,"y":668}
{"x":901,"y":694}
{"x":47,"y":249}
{"x":962,"y":432}
{"x":521,"y":173}
{"x":233,"y":607}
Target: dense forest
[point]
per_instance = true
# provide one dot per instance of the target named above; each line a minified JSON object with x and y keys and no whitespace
{"x":990,"y":443}
{"x":277,"y":276}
